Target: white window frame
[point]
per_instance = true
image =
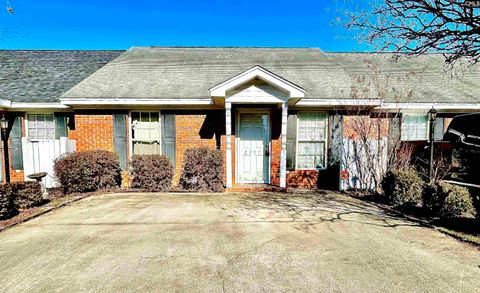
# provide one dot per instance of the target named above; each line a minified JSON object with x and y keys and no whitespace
{"x":130,"y":130}
{"x":404,"y":115}
{"x":326,"y":141}
{"x":27,"y":126}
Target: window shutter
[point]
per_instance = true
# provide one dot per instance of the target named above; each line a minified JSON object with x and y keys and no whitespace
{"x":120,"y":138}
{"x":168,"y":137}
{"x":438,"y":130}
{"x":291,"y":140}
{"x":16,"y":144}
{"x":60,"y":126}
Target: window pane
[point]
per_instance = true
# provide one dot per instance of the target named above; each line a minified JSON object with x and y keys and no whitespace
{"x":414,"y":127}
{"x":312,"y":129}
{"x":146,"y":126}
{"x":311,"y":126}
{"x":146,"y":148}
{"x":41,"y":126}
{"x":311,"y":155}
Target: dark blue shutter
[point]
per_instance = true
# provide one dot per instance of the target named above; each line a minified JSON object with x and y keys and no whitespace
{"x":120,"y":138}
{"x":168,"y":137}
{"x":16,"y":144}
{"x":60,"y":126}
{"x":291,"y":141}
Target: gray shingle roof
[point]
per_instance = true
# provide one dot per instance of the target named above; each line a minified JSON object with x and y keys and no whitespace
{"x":426,"y":76}
{"x":42,"y":76}
{"x":158,"y":72}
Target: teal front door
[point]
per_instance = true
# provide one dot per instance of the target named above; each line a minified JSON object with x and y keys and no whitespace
{"x":253,"y":148}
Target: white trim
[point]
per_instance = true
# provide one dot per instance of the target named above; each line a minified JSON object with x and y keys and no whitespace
{"x":5,"y":103}
{"x":283,"y":152}
{"x":130,"y":133}
{"x":228,"y":139}
{"x":237,"y":142}
{"x":326,"y":141}
{"x":428,"y":106}
{"x":257,"y":71}
{"x":123,"y":102}
{"x":338,"y":102}
{"x":15,"y":105}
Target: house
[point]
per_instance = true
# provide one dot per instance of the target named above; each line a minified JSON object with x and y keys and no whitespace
{"x":279,"y":115}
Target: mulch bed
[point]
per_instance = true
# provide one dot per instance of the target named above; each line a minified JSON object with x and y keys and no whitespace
{"x":56,"y":201}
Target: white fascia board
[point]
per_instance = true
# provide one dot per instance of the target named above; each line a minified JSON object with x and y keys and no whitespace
{"x":337,"y":102}
{"x":5,"y":104}
{"x":257,"y":72}
{"x":16,"y":105}
{"x":428,"y":106}
{"x":133,"y":102}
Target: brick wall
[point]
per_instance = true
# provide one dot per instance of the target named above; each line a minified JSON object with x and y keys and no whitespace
{"x":302,"y":179}
{"x":93,"y":132}
{"x":188,"y":135}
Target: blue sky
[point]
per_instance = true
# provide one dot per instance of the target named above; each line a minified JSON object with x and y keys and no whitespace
{"x":120,"y":24}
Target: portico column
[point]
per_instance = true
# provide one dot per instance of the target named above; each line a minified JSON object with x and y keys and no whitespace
{"x":228,"y":133}
{"x":283,"y":154}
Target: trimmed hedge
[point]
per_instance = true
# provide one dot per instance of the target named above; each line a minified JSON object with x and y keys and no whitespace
{"x":88,"y":171}
{"x":403,"y":187}
{"x":202,"y":170}
{"x":27,"y":194}
{"x":7,"y":206}
{"x":151,"y":172}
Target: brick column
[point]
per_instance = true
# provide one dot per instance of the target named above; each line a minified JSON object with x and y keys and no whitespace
{"x":228,"y":132}
{"x":283,"y":154}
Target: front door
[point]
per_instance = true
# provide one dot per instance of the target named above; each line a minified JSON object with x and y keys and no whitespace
{"x":253,"y":148}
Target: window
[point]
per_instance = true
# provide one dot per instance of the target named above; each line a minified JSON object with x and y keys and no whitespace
{"x":311,"y":140}
{"x":415,"y":127}
{"x":40,"y":126}
{"x":146,"y":135}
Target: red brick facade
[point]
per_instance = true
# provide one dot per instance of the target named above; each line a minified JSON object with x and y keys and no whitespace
{"x":93,"y":132}
{"x":302,"y":179}
{"x":187,"y":131}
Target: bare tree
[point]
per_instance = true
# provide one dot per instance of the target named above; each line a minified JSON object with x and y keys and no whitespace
{"x":9,"y":7}
{"x":415,"y":27}
{"x":371,"y":137}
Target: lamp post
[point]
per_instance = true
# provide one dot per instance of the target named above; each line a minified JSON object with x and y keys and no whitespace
{"x":432,"y":117}
{"x":4,"y":128}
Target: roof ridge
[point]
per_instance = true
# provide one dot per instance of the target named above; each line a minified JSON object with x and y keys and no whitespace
{"x":227,"y":47}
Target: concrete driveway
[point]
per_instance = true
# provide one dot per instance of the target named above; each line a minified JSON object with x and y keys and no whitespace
{"x":270,"y":242}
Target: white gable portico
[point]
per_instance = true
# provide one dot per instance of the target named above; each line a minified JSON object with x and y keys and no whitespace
{"x":256,"y":86}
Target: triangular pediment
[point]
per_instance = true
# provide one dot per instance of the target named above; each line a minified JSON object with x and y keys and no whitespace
{"x":262,"y":74}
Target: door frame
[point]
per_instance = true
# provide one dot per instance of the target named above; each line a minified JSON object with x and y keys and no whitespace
{"x":265,"y":111}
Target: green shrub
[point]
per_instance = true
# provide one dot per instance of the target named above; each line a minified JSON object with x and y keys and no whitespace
{"x":456,"y":201}
{"x":27,"y":194}
{"x":151,"y":172}
{"x":88,"y":171}
{"x":447,"y":200}
{"x":202,"y":170}
{"x":403,"y":187}
{"x":7,"y":206}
